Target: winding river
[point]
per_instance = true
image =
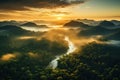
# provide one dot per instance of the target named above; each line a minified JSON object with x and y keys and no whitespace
{"x":54,"y":63}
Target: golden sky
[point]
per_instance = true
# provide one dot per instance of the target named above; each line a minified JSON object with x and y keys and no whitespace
{"x":59,"y":10}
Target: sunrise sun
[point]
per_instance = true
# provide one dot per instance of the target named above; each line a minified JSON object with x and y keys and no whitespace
{"x":59,"y":18}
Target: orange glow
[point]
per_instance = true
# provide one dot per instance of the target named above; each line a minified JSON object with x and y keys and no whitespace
{"x":59,"y":18}
{"x":8,"y":56}
{"x":59,"y":15}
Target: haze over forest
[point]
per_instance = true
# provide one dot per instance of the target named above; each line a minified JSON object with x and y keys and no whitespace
{"x":59,"y":40}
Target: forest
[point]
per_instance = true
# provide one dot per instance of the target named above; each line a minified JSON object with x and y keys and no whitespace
{"x":76,"y":51}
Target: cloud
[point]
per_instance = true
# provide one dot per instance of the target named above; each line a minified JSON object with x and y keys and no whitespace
{"x":25,"y":4}
{"x":60,"y":12}
{"x":7,"y":57}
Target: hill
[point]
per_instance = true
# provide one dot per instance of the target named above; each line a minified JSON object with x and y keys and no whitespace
{"x":108,"y":24}
{"x":114,"y":36}
{"x":74,"y":24}
{"x":97,"y":30}
{"x":4,"y":23}
{"x":116,"y":22}
{"x":12,"y":30}
{"x":30,"y":24}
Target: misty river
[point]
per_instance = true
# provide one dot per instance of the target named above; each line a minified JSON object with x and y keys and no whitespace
{"x":54,"y":63}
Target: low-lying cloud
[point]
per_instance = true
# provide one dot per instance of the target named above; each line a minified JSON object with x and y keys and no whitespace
{"x":26,"y":4}
{"x":8,"y":57}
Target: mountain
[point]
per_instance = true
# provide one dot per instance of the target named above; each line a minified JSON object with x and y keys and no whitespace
{"x":4,"y":23}
{"x":30,"y":24}
{"x":114,"y":36}
{"x":107,"y":24}
{"x":89,"y":22}
{"x":74,"y":23}
{"x":116,"y":22}
{"x":12,"y":30}
{"x":97,"y":30}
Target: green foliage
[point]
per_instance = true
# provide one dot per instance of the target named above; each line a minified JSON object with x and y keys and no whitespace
{"x":94,"y":62}
{"x":32,"y":58}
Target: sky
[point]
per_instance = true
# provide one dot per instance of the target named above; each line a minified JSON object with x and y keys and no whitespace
{"x":59,"y":10}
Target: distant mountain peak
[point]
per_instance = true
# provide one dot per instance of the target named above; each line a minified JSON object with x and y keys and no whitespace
{"x":12,"y":22}
{"x":30,"y":24}
{"x":116,"y":22}
{"x":12,"y":30}
{"x":97,"y":30}
{"x":74,"y":23}
{"x":8,"y":27}
{"x":106,"y":23}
